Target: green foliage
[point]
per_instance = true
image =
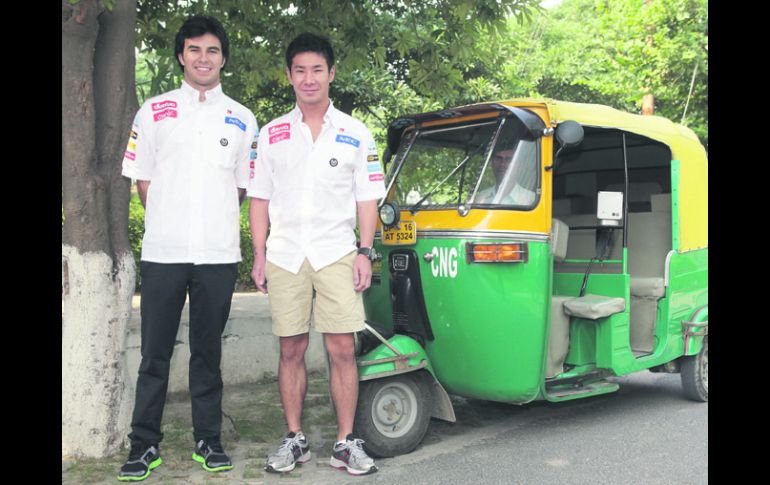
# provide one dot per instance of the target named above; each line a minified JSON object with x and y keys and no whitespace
{"x":247,"y":251}
{"x":136,"y":232}
{"x":393,"y":58}
{"x":614,"y":52}
{"x":398,"y":58}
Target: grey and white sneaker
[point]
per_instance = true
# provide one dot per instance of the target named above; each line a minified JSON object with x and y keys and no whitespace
{"x":295,"y":449}
{"x":350,"y":454}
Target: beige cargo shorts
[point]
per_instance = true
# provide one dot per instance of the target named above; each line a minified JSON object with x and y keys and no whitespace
{"x":337,"y":307}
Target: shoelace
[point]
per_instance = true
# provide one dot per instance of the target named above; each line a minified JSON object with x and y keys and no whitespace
{"x":287,"y":445}
{"x":216,"y":448}
{"x":357,"y":449}
{"x":138,"y":453}
{"x":212,"y":447}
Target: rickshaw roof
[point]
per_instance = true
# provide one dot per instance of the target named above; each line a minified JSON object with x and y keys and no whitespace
{"x":675,"y":136}
{"x":686,"y":149}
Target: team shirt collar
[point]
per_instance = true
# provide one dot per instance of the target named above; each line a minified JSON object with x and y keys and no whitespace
{"x":193,"y":93}
{"x":332,"y":115}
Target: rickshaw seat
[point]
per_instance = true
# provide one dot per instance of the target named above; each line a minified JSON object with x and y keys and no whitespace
{"x":558,"y":342}
{"x":559,"y":240}
{"x":660,"y":202}
{"x":649,"y":242}
{"x":648,"y":287}
{"x":594,"y":307}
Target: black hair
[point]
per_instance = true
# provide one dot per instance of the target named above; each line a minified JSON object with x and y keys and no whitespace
{"x":307,"y":42}
{"x":197,"y":26}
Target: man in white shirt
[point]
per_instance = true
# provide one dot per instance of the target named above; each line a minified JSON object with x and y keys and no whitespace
{"x":316,"y":169}
{"x":522,"y":173}
{"x":190,"y":152}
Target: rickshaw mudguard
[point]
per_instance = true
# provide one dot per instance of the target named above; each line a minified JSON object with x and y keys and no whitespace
{"x":694,"y":330}
{"x":383,"y":362}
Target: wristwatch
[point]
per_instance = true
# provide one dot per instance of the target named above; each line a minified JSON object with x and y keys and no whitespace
{"x":370,"y":253}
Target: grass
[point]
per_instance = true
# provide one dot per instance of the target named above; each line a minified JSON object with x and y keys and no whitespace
{"x":253,"y":426}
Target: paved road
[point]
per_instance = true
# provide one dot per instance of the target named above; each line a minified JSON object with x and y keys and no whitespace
{"x":645,"y":433}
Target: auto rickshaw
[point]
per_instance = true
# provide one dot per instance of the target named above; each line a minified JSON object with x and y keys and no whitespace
{"x":531,"y":249}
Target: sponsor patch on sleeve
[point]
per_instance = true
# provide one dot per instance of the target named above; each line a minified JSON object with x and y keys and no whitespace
{"x":373,"y":167}
{"x":376,"y":177}
{"x":348,"y":139}
{"x":232,"y":120}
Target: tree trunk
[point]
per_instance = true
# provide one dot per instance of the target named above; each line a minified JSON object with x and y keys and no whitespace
{"x":98,"y":274}
{"x":648,"y":100}
{"x":648,"y":105}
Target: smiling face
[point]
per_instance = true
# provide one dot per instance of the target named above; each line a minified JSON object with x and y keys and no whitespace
{"x":310,"y":77}
{"x":202,"y":60}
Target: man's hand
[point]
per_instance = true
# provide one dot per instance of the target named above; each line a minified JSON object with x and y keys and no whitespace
{"x":259,"y":220}
{"x":258,"y":272}
{"x":142,"y":187}
{"x":362,"y":273}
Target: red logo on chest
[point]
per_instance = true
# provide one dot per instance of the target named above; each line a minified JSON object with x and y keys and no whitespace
{"x":279,"y":128}
{"x":169,"y":113}
{"x":163,"y":105}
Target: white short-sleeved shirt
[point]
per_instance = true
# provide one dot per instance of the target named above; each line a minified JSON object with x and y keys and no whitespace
{"x":313,"y":187}
{"x":196,"y":155}
{"x":517,"y":196}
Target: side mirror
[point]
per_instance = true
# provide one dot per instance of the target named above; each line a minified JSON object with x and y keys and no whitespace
{"x":609,"y":208}
{"x":569,"y":134}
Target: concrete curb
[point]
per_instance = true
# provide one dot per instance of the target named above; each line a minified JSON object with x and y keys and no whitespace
{"x":249,"y":349}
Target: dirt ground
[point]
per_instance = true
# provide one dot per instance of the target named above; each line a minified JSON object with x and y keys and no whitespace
{"x":253,"y":424}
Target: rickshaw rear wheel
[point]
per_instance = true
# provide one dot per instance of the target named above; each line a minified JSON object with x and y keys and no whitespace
{"x":393,"y":413}
{"x":694,"y":373}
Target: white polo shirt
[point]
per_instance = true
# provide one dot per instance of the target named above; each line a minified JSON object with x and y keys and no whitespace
{"x":196,"y":155}
{"x":313,"y":187}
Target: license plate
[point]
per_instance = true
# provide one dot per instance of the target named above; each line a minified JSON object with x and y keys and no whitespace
{"x":405,"y":233}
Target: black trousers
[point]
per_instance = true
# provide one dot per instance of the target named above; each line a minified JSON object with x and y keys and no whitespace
{"x":164,"y":289}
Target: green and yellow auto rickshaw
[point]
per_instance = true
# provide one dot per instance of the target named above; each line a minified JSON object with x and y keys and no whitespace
{"x":531,"y":249}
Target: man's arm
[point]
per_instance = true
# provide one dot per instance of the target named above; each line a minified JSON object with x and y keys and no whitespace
{"x":142,"y":187}
{"x":367,"y":223}
{"x":259,"y":221}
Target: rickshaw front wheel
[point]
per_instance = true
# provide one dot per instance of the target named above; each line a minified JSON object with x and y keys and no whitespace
{"x":393,"y":413}
{"x":695,"y":372}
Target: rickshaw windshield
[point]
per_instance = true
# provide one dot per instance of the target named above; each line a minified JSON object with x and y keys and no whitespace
{"x":481,"y":164}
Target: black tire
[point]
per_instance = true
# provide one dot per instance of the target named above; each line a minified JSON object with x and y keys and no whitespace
{"x":694,"y":370}
{"x":393,"y":413}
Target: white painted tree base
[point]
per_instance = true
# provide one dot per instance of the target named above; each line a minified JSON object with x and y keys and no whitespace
{"x":97,"y":393}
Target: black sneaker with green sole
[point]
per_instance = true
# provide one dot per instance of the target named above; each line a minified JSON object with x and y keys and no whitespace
{"x":212,"y":456}
{"x":141,"y":461}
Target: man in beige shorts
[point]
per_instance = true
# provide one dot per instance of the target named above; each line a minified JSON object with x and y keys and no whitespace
{"x":316,"y":170}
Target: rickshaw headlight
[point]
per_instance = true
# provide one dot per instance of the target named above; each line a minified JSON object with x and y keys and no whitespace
{"x":389,"y":214}
{"x":497,"y":253}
